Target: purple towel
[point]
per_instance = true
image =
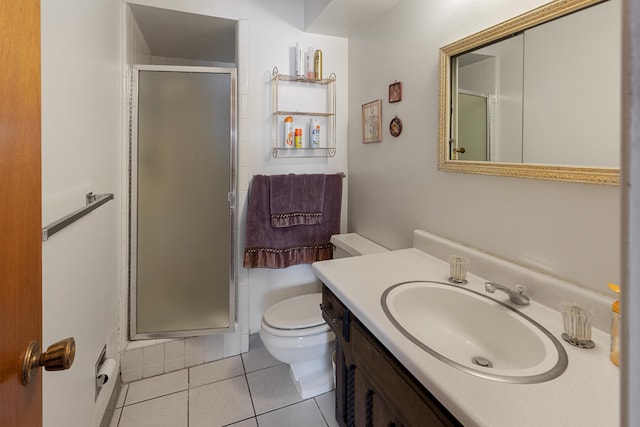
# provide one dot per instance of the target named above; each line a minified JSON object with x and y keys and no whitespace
{"x":279,"y":247}
{"x":296,"y":199}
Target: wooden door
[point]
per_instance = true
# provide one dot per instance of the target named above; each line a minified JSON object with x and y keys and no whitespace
{"x":20,"y":209}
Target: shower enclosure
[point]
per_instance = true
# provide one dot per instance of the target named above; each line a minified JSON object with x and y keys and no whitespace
{"x":182,"y":204}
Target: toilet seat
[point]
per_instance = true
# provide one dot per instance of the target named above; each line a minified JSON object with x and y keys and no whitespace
{"x":297,"y":316}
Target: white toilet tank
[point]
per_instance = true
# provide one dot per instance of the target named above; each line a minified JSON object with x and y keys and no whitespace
{"x":353,"y":244}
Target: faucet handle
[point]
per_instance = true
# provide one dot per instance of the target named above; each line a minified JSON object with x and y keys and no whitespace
{"x":521,"y":289}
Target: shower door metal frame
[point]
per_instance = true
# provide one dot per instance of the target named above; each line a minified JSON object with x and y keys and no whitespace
{"x":133,"y":197}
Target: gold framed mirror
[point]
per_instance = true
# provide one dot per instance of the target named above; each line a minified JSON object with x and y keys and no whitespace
{"x":529,"y":122}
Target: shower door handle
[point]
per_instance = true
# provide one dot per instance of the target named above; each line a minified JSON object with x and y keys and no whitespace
{"x":231,"y":198}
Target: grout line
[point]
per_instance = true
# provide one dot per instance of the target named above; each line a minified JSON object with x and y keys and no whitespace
{"x":214,"y":382}
{"x":124,"y":399}
{"x":157,"y":397}
{"x":287,"y":406}
{"x":239,"y":421}
{"x":120,"y":417}
{"x":320,"y":409}
{"x":246,"y":380}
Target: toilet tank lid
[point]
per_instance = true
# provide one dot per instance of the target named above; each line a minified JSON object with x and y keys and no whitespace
{"x":295,"y":313}
{"x":356,"y":245}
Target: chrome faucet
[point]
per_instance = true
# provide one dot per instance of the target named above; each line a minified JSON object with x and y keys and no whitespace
{"x":516,"y":296}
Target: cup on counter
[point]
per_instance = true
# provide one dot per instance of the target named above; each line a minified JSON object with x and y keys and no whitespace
{"x":458,"y":269}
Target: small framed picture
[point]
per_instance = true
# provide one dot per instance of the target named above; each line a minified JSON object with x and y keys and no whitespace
{"x":395,"y":92}
{"x":372,"y":121}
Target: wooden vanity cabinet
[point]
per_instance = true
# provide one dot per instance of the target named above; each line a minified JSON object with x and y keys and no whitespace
{"x":372,"y":387}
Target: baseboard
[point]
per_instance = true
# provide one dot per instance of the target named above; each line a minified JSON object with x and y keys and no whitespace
{"x":113,"y":401}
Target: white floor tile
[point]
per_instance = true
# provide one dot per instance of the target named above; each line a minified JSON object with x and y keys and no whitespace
{"x":327,"y":404}
{"x":272,"y":388}
{"x":166,"y":411}
{"x":258,"y":358}
{"x":220,"y":403}
{"x":215,"y":371}
{"x":161,"y":385}
{"x":304,"y":414}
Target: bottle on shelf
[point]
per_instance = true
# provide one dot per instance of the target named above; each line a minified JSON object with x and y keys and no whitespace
{"x":317,"y":65}
{"x":309,"y":62}
{"x":300,"y":59}
{"x":298,"y":138}
{"x":288,"y":132}
{"x":314,"y":131}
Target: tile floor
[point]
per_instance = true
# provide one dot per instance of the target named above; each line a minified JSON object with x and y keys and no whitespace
{"x":250,"y":390}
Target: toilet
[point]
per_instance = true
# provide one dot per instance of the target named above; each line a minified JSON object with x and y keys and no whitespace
{"x":294,"y":332}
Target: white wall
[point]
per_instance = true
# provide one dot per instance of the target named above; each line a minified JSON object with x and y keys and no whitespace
{"x":80,"y":153}
{"x":274,"y":27}
{"x":569,"y":229}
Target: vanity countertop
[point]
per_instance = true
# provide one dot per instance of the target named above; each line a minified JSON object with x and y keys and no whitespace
{"x":586,"y":394}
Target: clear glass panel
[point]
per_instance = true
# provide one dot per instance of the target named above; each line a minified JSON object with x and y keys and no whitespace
{"x":183,"y":217}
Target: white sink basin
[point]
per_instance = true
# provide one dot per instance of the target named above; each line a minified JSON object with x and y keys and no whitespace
{"x":474,"y":332}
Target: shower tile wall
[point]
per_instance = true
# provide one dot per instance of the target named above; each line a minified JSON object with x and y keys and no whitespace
{"x":148,"y":358}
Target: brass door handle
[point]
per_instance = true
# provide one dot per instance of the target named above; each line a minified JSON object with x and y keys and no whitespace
{"x":460,"y":150}
{"x":58,"y":357}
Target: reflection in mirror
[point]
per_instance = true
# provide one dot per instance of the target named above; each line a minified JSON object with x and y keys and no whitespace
{"x":489,"y":79}
{"x":536,"y":96}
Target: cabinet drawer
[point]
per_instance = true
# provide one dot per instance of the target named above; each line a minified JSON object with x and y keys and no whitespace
{"x":335,"y":314}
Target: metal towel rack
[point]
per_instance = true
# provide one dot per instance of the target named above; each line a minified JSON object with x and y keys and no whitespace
{"x":94,"y":201}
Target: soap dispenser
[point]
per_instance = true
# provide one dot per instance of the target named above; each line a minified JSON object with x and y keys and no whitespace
{"x":615,"y":326}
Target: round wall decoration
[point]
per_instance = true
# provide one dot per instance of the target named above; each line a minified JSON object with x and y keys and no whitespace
{"x":395,"y":127}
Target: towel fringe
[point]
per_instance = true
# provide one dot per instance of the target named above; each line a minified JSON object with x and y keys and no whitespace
{"x":281,"y":258}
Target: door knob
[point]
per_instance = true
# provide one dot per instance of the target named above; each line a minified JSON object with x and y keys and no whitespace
{"x":460,"y":150}
{"x":58,"y":357}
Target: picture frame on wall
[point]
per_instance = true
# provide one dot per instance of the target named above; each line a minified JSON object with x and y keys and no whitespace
{"x":395,"y":92}
{"x":372,"y":121}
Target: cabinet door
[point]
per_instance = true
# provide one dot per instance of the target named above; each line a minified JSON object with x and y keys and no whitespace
{"x":412,"y":404}
{"x":370,"y":408}
{"x":342,"y":386}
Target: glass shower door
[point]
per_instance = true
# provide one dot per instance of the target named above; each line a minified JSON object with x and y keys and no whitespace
{"x":182,"y":215}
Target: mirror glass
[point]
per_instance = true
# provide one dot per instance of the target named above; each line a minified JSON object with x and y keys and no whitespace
{"x":537,"y":96}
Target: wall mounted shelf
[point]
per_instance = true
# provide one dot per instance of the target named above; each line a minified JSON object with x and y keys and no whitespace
{"x":290,"y":92}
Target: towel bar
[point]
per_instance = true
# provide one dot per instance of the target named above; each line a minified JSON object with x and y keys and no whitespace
{"x":94,"y":201}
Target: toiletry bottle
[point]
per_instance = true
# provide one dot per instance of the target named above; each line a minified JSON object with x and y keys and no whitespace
{"x":298,"y":138}
{"x":309,"y":62}
{"x":314,"y":131}
{"x":288,"y":132}
{"x":299,"y":60}
{"x":615,"y":327}
{"x":317,"y":65}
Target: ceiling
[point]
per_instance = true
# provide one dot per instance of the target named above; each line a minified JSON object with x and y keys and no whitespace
{"x":176,"y":34}
{"x":186,"y":35}
{"x":341,"y":17}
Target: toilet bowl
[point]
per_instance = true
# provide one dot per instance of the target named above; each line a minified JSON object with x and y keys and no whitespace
{"x":294,"y":332}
